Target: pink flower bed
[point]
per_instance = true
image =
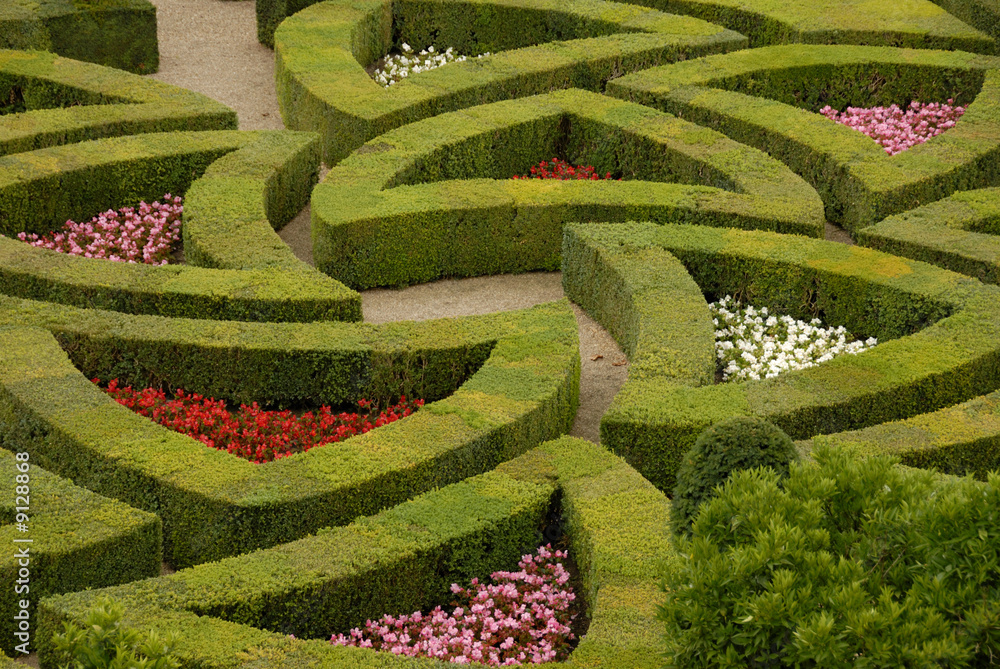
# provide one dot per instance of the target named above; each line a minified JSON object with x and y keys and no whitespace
{"x":522,"y":617}
{"x":898,"y":129}
{"x":146,"y":234}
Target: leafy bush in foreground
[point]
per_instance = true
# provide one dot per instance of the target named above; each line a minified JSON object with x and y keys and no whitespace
{"x":103,"y":644}
{"x":849,"y":563}
{"x":738,"y":443}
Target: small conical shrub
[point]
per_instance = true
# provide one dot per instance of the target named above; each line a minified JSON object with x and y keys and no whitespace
{"x":738,"y":443}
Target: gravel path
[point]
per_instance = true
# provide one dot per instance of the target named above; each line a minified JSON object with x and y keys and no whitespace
{"x":210,"y":46}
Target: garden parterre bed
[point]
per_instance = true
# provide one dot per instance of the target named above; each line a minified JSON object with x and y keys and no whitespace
{"x":462,"y":486}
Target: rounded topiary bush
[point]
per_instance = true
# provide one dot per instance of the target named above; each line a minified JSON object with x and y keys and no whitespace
{"x":738,"y":443}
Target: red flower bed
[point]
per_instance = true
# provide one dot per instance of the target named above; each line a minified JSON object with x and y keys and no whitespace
{"x":253,"y":433}
{"x":560,"y":169}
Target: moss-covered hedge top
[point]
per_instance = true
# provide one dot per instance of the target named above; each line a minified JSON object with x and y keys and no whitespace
{"x":237,"y":612}
{"x":321,"y":53}
{"x":938,"y":335}
{"x":245,"y":184}
{"x":958,"y":232}
{"x":47,"y":100}
{"x":435,"y":198}
{"x":982,"y":14}
{"x":959,"y":440}
{"x":495,"y":385}
{"x":75,"y":540}
{"x":116,"y":33}
{"x":761,"y":97}
{"x":908,"y":23}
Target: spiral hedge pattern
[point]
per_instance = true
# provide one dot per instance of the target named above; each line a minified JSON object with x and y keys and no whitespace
{"x":706,"y":108}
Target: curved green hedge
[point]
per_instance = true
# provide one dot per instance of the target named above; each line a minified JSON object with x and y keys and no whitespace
{"x":959,"y":440}
{"x":958,"y":233}
{"x":939,"y":334}
{"x":244,"y":183}
{"x":435,"y":199}
{"x":503,"y":383}
{"x":77,"y":539}
{"x":116,"y":33}
{"x":760,"y":97}
{"x":983,"y":14}
{"x":906,"y":23}
{"x":321,"y":53}
{"x":237,"y":612}
{"x":47,"y":100}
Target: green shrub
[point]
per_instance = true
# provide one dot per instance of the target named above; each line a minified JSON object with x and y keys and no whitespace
{"x":847,"y":562}
{"x":745,"y":442}
{"x":103,"y":644}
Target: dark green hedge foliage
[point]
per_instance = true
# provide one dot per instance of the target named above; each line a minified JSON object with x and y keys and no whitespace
{"x":78,"y":539}
{"x":908,"y":23}
{"x":938,"y":334}
{"x":435,"y":198}
{"x":495,"y":385}
{"x":848,"y":563}
{"x":765,"y":98}
{"x":744,"y":442}
{"x":958,"y":233}
{"x":46,"y":100}
{"x":116,"y":33}
{"x":321,"y":53}
{"x":983,"y":14}
{"x":963,"y":439}
{"x":239,"y":187}
{"x":237,"y":612}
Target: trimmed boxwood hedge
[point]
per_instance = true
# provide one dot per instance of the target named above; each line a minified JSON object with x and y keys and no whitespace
{"x":237,"y":612}
{"x":906,"y":23}
{"x":435,"y":198}
{"x":762,"y":97}
{"x":502,"y":384}
{"x":243,"y":184}
{"x":116,"y":33}
{"x":983,"y":14}
{"x":78,"y":540}
{"x":958,"y":232}
{"x":321,"y":53}
{"x":958,"y":440}
{"x":939,"y":336}
{"x":47,"y":100}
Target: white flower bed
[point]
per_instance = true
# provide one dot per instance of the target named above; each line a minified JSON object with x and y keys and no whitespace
{"x":398,"y":67}
{"x":753,"y":344}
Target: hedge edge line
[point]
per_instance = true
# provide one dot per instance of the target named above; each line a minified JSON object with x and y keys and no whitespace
{"x":321,"y":52}
{"x":76,"y":540}
{"x":53,"y":100}
{"x":503,"y":383}
{"x":859,"y":183}
{"x":249,"y":183}
{"x":85,"y":31}
{"x":394,"y":214}
{"x":941,"y":329}
{"x":404,"y":557}
{"x":957,"y":233}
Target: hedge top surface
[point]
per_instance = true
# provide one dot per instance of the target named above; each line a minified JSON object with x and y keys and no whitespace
{"x":419,"y":181}
{"x":938,"y":335}
{"x":502,"y":383}
{"x":755,"y":96}
{"x":85,"y":29}
{"x":321,"y":53}
{"x":49,"y":100}
{"x":75,"y":539}
{"x":235,"y":613}
{"x":245,"y":183}
{"x":958,"y":232}
{"x":909,"y":23}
